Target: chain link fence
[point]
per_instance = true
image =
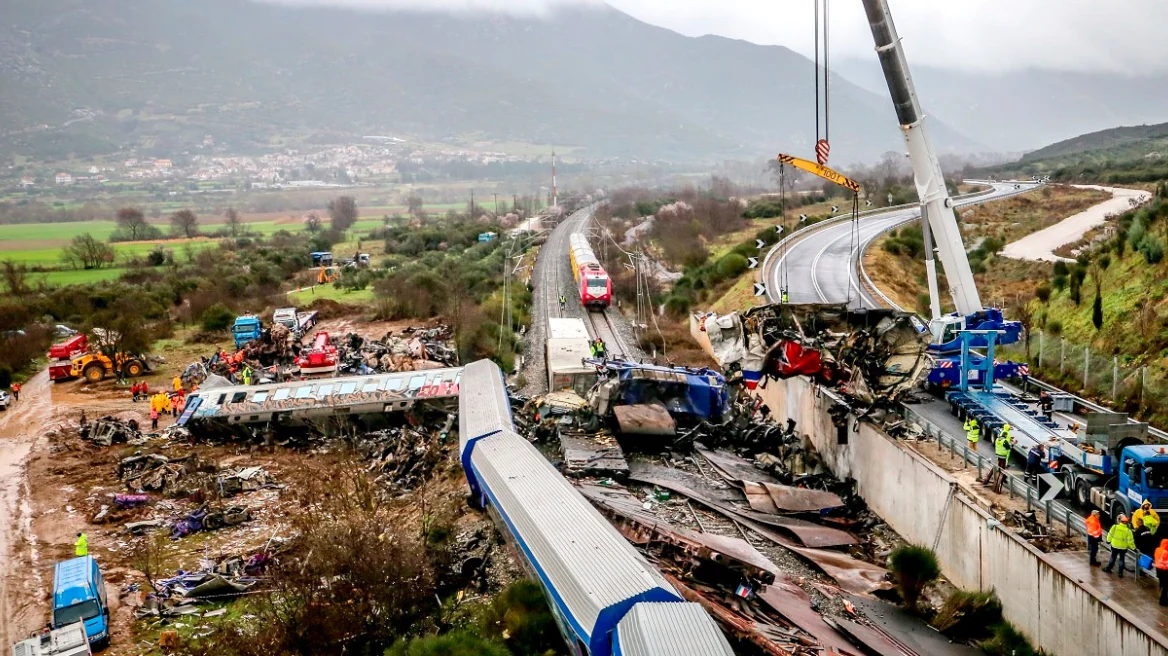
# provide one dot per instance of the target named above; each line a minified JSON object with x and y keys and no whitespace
{"x":1113,"y":380}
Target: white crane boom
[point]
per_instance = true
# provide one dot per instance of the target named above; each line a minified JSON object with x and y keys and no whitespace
{"x":935,"y":200}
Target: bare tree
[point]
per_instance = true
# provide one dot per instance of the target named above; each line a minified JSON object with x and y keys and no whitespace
{"x":87,"y":252}
{"x":15,"y":278}
{"x":415,"y":204}
{"x":120,"y":327}
{"x":133,"y":221}
{"x":184,"y":222}
{"x":312,"y":222}
{"x":1022,"y":312}
{"x":234,"y":223}
{"x":343,"y":212}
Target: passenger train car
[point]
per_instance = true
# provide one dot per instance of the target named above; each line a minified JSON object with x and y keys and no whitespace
{"x":607,"y":599}
{"x":305,"y":400}
{"x":592,"y":281}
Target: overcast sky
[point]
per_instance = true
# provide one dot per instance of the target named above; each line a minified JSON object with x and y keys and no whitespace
{"x":979,"y":35}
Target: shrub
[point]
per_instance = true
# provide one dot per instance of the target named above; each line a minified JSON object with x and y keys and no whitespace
{"x":217,"y":317}
{"x":156,"y":257}
{"x":677,"y":306}
{"x":1042,"y":292}
{"x":458,"y":643}
{"x":520,"y":618}
{"x":914,"y":567}
{"x":1097,"y":312}
{"x":1060,"y":268}
{"x":969,"y":615}
{"x":1055,"y":327}
{"x":5,"y":376}
{"x":1135,"y":234}
{"x":731,"y":266}
{"x":1007,"y":641}
{"x":1059,"y":283}
{"x":1152,"y":248}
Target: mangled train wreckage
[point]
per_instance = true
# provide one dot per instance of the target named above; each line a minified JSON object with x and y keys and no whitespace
{"x":606,"y":597}
{"x":306,"y":400}
{"x":873,"y":356}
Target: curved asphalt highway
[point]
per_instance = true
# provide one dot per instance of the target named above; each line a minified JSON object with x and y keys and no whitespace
{"x":820,"y":264}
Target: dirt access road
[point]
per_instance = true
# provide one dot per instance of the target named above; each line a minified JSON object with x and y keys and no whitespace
{"x":19,"y":427}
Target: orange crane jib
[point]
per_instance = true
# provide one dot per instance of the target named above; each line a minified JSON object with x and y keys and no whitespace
{"x":822,"y":171}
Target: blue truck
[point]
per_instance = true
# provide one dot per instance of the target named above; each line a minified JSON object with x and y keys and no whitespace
{"x":1107,"y":465}
{"x":246,"y":328}
{"x":79,"y":596}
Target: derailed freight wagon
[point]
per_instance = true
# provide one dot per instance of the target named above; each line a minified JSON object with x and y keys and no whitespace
{"x":566,"y":350}
{"x":606,"y":598}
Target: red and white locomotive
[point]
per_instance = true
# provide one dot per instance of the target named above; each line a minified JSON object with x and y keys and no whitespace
{"x":592,"y":281}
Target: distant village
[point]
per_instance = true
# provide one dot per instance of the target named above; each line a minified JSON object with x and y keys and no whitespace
{"x":379,"y":159}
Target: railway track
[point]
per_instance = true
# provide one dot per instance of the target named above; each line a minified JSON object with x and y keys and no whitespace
{"x":604,"y":329}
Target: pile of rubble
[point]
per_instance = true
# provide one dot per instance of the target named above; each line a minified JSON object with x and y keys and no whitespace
{"x":409,"y":350}
{"x":182,"y":477}
{"x":402,"y":458}
{"x":875,"y":357}
{"x":181,"y":594}
{"x":714,"y":519}
{"x":109,"y":430}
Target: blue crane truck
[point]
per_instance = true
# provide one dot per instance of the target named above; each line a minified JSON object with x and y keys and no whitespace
{"x":1109,"y":466}
{"x":79,"y":596}
{"x":246,"y":328}
{"x":946,"y":373}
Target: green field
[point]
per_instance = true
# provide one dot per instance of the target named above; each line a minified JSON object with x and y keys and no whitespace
{"x":16,"y":232}
{"x":78,"y":277}
{"x":330,"y":292}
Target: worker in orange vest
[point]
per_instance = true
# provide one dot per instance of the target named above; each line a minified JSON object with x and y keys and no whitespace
{"x":15,"y":391}
{"x":1094,"y":537}
{"x":1161,"y":563}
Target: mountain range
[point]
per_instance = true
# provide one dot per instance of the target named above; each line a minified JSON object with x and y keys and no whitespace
{"x":154,"y":76}
{"x":1022,"y":110}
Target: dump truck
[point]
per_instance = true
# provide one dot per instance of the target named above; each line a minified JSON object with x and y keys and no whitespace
{"x":94,"y":367}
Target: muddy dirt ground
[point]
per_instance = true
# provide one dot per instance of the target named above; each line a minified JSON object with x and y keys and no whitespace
{"x":53,"y":483}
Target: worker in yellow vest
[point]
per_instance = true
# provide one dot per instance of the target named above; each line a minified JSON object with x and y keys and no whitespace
{"x":972,"y":432}
{"x":81,"y":546}
{"x":1146,"y":518}
{"x":1121,"y":540}
{"x":1002,"y":447}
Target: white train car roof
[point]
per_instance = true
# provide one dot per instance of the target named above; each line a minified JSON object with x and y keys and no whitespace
{"x":346,"y":394}
{"x":656,"y":629}
{"x":587,"y":566}
{"x":567,"y":328}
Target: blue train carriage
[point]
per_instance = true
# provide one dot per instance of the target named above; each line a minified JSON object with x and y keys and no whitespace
{"x":599,"y":587}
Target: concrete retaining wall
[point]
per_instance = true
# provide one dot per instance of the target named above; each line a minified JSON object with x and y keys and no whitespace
{"x":1058,"y":614}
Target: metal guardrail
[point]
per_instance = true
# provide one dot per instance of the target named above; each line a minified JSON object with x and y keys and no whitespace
{"x":1015,"y":485}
